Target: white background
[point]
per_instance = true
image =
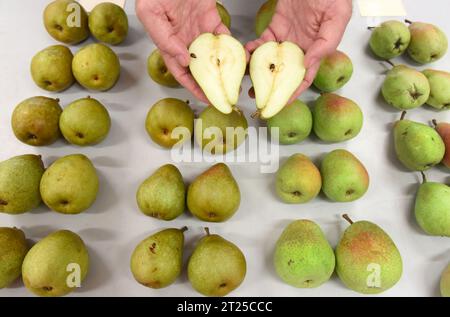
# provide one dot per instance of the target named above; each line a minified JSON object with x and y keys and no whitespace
{"x":114,"y":225}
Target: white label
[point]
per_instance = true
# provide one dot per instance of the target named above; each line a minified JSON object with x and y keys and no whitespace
{"x":383,"y":8}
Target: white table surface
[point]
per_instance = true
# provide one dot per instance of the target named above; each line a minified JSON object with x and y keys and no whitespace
{"x":114,"y":225}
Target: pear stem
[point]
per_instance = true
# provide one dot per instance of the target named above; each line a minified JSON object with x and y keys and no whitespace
{"x":403,"y":115}
{"x":187,"y":101}
{"x":57,"y":99}
{"x":370,"y":28}
{"x":424,"y":177}
{"x":184,"y":229}
{"x":346,"y":217}
{"x":207,"y":231}
{"x":256,"y":114}
{"x":390,"y":62}
{"x":88,"y":97}
{"x":434,"y":122}
{"x":408,"y":21}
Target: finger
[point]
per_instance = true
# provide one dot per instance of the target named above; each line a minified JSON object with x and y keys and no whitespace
{"x":307,"y":81}
{"x":267,"y":36}
{"x":222,"y":29}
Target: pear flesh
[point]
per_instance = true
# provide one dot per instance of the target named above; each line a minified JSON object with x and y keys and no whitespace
{"x":13,"y":248}
{"x":163,"y":194}
{"x":218,"y":65}
{"x":20,"y":177}
{"x":276,"y":71}
{"x":303,"y":257}
{"x":54,"y":265}
{"x":367,"y":260}
{"x":216,"y":267}
{"x":157,"y":261}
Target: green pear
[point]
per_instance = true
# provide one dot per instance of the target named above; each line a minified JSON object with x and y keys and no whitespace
{"x":108,"y":23}
{"x":157,"y":70}
{"x":367,"y":260}
{"x":214,"y":195}
{"x":216,"y":267}
{"x":298,"y":180}
{"x":294,"y":123}
{"x":417,"y":145}
{"x":443,"y":128}
{"x":85,"y":122}
{"x":336,"y":118}
{"x":20,"y":177}
{"x":405,"y":88}
{"x":157,"y":261}
{"x":428,"y":42}
{"x":344,"y":177}
{"x":219,"y":133}
{"x":445,"y":282}
{"x":70,"y":184}
{"x":35,"y":121}
{"x":13,"y":248}
{"x":96,"y":67}
{"x":303,"y":257}
{"x":170,"y":116}
{"x":224,"y":15}
{"x":439,"y":89}
{"x":334,"y":72}
{"x":56,"y":265}
{"x":390,"y":39}
{"x":264,"y":16}
{"x":66,"y":21}
{"x":163,"y":194}
{"x":432,"y":208}
{"x":51,"y":68}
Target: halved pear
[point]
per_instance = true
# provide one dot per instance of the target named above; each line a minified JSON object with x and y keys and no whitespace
{"x":218,"y":65}
{"x":276,"y":70}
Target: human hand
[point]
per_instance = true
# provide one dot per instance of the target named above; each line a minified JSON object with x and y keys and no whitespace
{"x":317,"y":26}
{"x":173,"y":25}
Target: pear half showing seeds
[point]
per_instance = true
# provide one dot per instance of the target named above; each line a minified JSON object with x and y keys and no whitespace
{"x":218,"y":65}
{"x":276,"y":70}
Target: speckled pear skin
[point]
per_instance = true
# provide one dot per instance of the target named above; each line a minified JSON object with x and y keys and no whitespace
{"x":431,"y":208}
{"x":344,"y":177}
{"x":163,"y":194}
{"x":20,"y":177}
{"x":157,"y":261}
{"x":439,"y":89}
{"x":334,"y":72}
{"x":45,"y":270}
{"x":264,"y":16}
{"x":445,"y":282}
{"x":214,"y":195}
{"x":13,"y":248}
{"x":428,"y":43}
{"x":298,"y":180}
{"x":443,"y":128}
{"x":390,"y":39}
{"x":216,"y":267}
{"x":418,"y":146}
{"x":364,"y":251}
{"x":303,"y":257}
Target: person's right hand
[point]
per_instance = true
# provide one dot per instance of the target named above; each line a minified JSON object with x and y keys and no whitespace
{"x":173,"y":25}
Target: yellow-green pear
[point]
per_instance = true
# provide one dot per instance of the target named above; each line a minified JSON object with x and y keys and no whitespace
{"x":439,"y":89}
{"x":303,"y":257}
{"x":51,"y":68}
{"x":417,"y":145}
{"x":170,"y":122}
{"x":294,"y":123}
{"x":224,"y":15}
{"x":445,"y":282}
{"x":56,"y":265}
{"x":344,"y":177}
{"x":35,"y":121}
{"x":428,"y":42}
{"x":108,"y":23}
{"x":96,"y":67}
{"x":432,"y":208}
{"x":334,"y":72}
{"x":219,"y":133}
{"x":13,"y":248}
{"x":367,"y":260}
{"x":85,"y":122}
{"x":216,"y":267}
{"x":20,"y":177}
{"x":66,"y":21}
{"x":70,"y":184}
{"x":157,"y":261}
{"x":390,"y":39}
{"x":214,"y":195}
{"x":163,"y":194}
{"x":298,"y":180}
{"x":264,"y":16}
{"x":443,"y":128}
{"x":157,"y":70}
